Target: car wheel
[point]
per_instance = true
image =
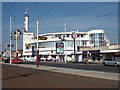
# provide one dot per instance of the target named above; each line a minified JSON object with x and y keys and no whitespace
{"x":116,"y":64}
{"x":87,"y":62}
{"x":104,"y":64}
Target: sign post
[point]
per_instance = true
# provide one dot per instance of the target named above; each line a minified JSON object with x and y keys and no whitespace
{"x":74,"y":36}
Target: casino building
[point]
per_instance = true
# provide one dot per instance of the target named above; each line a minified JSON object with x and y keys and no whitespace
{"x":54,"y":44}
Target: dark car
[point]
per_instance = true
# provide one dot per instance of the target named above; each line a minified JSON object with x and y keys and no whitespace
{"x":115,"y":62}
{"x":7,"y":60}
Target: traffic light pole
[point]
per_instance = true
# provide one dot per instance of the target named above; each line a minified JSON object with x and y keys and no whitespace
{"x":16,"y":45}
{"x":10,"y":39}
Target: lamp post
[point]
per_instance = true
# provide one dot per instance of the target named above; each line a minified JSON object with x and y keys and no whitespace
{"x":65,"y":44}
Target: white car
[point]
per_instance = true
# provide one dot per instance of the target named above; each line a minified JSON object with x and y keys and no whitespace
{"x":115,"y":62}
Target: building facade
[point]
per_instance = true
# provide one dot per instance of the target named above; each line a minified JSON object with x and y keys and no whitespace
{"x":51,"y":43}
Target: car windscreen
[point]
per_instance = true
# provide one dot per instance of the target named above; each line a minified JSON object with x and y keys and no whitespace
{"x":118,"y":59}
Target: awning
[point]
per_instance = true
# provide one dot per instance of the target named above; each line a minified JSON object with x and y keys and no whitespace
{"x":94,"y":51}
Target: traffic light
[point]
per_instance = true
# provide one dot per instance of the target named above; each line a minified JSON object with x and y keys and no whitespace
{"x":9,"y":45}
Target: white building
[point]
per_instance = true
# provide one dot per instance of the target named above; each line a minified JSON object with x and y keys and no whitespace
{"x":52,"y":45}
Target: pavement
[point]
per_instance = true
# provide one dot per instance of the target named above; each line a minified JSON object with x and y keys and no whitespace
{"x":88,"y":73}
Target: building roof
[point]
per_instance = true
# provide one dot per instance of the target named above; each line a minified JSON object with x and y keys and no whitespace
{"x":59,"y":33}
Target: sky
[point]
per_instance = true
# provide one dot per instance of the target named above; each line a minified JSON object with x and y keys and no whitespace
{"x":81,"y":16}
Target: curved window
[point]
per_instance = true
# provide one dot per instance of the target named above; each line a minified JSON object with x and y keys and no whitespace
{"x":97,"y":39}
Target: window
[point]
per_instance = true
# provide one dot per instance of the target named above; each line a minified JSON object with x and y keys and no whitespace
{"x":81,"y":35}
{"x":55,"y":36}
{"x":67,"y":35}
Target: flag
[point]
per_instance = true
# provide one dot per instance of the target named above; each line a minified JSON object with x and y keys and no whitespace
{"x":11,"y":16}
{"x":24,"y":29}
{"x":27,"y":9}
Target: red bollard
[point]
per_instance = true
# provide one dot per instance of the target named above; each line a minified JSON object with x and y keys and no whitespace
{"x":16,"y":58}
{"x":37,"y":57}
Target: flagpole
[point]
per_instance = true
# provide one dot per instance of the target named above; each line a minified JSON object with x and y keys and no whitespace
{"x":65,"y":44}
{"x":10,"y":38}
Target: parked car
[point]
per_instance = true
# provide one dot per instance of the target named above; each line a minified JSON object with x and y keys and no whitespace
{"x":7,"y":60}
{"x":16,"y":61}
{"x":31,"y":60}
{"x":23,"y":60}
{"x":49,"y":58}
{"x":42,"y":59}
{"x":115,"y":62}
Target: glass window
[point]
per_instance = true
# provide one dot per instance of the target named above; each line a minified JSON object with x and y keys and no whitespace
{"x":81,"y":35}
{"x":67,"y":35}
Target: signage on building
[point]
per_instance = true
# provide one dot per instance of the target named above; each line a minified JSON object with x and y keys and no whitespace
{"x":42,"y":38}
{"x":27,"y":46}
{"x":74,"y":35}
{"x":62,"y":37}
{"x":113,"y":47}
{"x":59,"y":48}
{"x":94,"y":51}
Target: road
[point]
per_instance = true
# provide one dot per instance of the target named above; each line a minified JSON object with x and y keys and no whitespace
{"x":20,"y":77}
{"x":81,"y":66}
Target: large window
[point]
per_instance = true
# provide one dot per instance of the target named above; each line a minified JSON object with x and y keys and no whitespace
{"x":97,"y":39}
{"x":69,"y":43}
{"x":46,"y":45}
{"x":84,"y":43}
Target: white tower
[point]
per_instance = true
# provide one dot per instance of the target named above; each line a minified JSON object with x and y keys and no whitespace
{"x":26,"y":22}
{"x":26,"y":37}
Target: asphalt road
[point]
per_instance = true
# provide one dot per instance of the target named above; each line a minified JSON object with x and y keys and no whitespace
{"x":20,"y":77}
{"x":82,"y":66}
